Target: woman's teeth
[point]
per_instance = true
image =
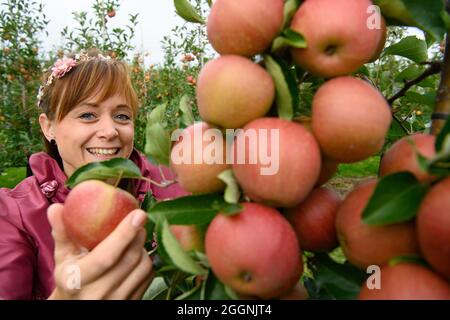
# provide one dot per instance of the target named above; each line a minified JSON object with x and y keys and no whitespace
{"x":99,"y":151}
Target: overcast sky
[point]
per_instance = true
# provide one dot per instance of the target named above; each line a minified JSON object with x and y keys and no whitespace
{"x":156,"y":19}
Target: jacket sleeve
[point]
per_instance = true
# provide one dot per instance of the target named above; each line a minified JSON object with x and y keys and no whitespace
{"x":17,"y":262}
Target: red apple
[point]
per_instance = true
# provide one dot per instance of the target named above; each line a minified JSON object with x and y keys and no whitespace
{"x":195,"y":161}
{"x":407,"y":281}
{"x":364,"y":244}
{"x":295,"y":164}
{"x":337,"y":34}
{"x":244,"y":27}
{"x":254,"y":252}
{"x":327,"y":170}
{"x":382,"y":40}
{"x":313,"y":220}
{"x":188,"y":236}
{"x":350,"y":119}
{"x":232,"y":90}
{"x":433,"y":227}
{"x":93,"y":209}
{"x":402,"y":156}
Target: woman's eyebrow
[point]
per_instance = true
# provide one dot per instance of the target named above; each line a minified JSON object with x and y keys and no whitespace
{"x":123,"y":106}
{"x":91,"y":104}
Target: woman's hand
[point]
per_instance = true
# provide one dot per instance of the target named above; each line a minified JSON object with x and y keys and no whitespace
{"x":117,"y":268}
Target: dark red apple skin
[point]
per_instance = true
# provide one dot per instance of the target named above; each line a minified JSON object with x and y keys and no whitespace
{"x":314,"y":220}
{"x":255,"y":252}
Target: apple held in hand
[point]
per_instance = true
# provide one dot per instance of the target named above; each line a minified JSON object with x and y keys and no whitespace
{"x":93,"y":209}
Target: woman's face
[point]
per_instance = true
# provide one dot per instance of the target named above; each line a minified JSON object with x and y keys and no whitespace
{"x":93,"y":132}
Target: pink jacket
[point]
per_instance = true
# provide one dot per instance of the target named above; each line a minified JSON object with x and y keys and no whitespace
{"x":26,"y":243}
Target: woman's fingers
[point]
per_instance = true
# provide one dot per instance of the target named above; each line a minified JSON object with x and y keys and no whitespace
{"x":128,"y":263}
{"x":108,"y":252}
{"x":138,"y":281}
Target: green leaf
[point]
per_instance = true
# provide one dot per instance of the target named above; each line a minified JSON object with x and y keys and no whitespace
{"x":287,"y":92}
{"x":410,"y":47}
{"x":395,"y":10}
{"x":187,"y":116}
{"x":440,"y":164}
{"x":232,"y":192}
{"x":195,"y":209}
{"x":213,"y":289}
{"x":177,"y":255}
{"x":114,"y":168}
{"x":411,"y":72}
{"x":427,"y":99}
{"x":147,"y":204}
{"x":157,"y":287}
{"x":395,"y":131}
{"x":157,"y":143}
{"x":445,"y":132}
{"x":290,"y":8}
{"x":193,"y":294}
{"x":428,"y":16}
{"x":186,"y":11}
{"x":289,"y":38}
{"x":396,"y":198}
{"x":341,"y":281}
{"x":164,"y":261}
{"x":363,"y":70}
{"x":157,"y":115}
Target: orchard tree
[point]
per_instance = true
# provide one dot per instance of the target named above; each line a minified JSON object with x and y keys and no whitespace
{"x":21,"y":24}
{"x":96,"y":32}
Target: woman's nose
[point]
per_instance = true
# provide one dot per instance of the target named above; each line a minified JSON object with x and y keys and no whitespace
{"x":107,"y":129}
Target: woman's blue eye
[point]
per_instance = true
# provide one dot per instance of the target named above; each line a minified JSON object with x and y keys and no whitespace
{"x":87,"y":116}
{"x":123,"y":117}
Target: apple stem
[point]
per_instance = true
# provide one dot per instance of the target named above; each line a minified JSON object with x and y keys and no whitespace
{"x":163,"y":184}
{"x":162,"y":173}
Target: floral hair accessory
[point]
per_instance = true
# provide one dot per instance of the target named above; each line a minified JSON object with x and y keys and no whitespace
{"x":62,"y":66}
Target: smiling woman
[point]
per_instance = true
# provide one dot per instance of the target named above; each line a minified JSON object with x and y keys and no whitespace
{"x":88,"y":110}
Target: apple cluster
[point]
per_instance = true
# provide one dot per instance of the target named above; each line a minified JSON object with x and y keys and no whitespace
{"x":258,"y":252}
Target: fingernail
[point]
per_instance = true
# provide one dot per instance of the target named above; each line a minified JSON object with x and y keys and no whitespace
{"x":138,"y":219}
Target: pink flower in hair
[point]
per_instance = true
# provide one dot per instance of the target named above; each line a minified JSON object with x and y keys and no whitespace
{"x":62,"y":66}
